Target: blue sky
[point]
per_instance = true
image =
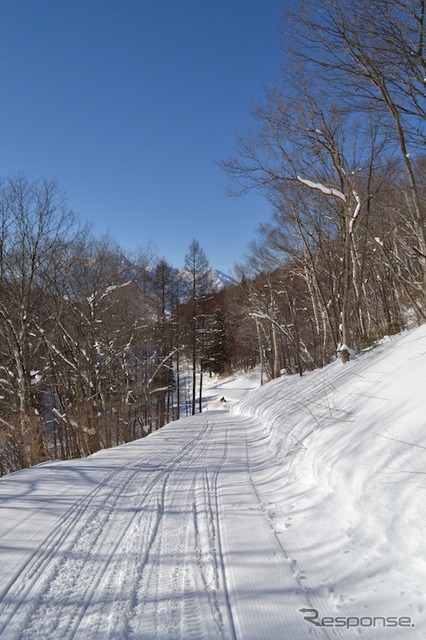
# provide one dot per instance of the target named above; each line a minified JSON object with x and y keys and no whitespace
{"x":128,"y":103}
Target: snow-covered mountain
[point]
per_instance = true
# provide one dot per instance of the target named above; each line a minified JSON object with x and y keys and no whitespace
{"x":220,"y":280}
{"x":217,"y":281}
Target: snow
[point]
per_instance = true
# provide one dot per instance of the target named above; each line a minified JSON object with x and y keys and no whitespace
{"x":356,"y":212}
{"x":296,"y":502}
{"x":329,"y":191}
{"x":220,"y":280}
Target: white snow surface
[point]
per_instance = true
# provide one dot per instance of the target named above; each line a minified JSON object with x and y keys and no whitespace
{"x":306,"y":493}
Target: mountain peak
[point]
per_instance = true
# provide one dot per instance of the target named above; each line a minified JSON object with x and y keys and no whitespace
{"x":220,"y":280}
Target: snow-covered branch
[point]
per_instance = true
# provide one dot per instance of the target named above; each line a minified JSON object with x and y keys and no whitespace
{"x":356,"y":212}
{"x":260,"y":315}
{"x":328,"y":191}
{"x":162,"y":363}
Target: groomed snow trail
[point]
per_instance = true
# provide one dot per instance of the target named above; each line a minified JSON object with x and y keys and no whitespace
{"x":164,"y":538}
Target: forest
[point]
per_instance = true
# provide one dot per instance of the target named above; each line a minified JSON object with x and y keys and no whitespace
{"x":98,"y":348}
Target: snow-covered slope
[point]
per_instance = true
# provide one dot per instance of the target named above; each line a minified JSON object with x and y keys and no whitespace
{"x":351,"y":490}
{"x":299,"y":513}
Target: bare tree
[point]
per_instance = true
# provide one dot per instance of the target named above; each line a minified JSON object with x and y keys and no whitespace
{"x":371,"y":53}
{"x":38,"y":231}
{"x":196,"y":269}
{"x":353,"y":92}
{"x":304,"y":141}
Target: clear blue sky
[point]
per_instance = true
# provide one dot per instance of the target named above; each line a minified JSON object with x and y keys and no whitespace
{"x":127,"y":103}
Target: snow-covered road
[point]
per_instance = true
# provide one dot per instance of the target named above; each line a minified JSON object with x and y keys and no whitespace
{"x":300,"y":513}
{"x":163,"y":538}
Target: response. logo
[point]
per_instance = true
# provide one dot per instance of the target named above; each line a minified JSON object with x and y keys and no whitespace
{"x":350,"y":622}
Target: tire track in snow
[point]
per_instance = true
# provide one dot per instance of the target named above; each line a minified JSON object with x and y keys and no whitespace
{"x":168,"y":603}
{"x":94,"y":610}
{"x":15,"y":594}
{"x":68,"y":561}
{"x":152,"y":551}
{"x":157,"y":610}
{"x":135,"y":566}
{"x":119,"y":583}
{"x":74,"y":566}
{"x":216,"y":513}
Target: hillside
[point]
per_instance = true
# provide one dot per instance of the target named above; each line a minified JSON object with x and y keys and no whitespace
{"x":292,"y":510}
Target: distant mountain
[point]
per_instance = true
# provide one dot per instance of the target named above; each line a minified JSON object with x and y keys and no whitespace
{"x":217,"y":279}
{"x":220,"y":280}
{"x":128,"y":270}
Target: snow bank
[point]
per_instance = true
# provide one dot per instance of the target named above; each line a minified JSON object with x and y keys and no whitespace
{"x":349,"y":447}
